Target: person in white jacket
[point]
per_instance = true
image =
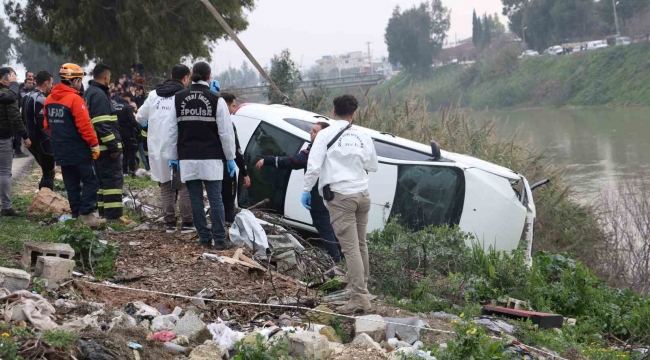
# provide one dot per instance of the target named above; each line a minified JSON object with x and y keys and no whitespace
{"x":342,"y":156}
{"x":159,"y":112}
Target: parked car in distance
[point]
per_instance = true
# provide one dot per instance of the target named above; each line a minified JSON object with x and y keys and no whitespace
{"x":554,"y":50}
{"x":623,"y":41}
{"x":418,"y":184}
{"x":597,"y":45}
{"x":529,"y":53}
{"x":577,"y":49}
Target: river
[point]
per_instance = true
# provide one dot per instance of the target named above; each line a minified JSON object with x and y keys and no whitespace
{"x":600,"y":146}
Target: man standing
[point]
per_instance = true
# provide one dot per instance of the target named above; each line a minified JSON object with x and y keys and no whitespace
{"x":28,"y":85}
{"x":205,"y":138}
{"x":320,"y":216}
{"x":74,"y":143}
{"x":342,"y":156}
{"x":230,"y":184}
{"x":129,"y":131}
{"x":13,"y":92}
{"x":159,"y":115}
{"x":25,"y":88}
{"x":10,"y":123}
{"x":109,"y":164}
{"x":32,"y":112}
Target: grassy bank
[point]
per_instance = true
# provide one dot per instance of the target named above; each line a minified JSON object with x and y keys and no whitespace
{"x":618,"y":75}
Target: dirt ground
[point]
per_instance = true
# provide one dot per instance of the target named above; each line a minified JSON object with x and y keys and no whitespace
{"x":172,"y":263}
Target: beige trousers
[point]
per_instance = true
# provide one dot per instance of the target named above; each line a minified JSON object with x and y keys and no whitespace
{"x":170,"y":197}
{"x":349,"y":218}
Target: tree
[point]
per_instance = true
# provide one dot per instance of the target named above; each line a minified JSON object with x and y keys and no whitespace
{"x":477,"y":28}
{"x":157,"y":33}
{"x":237,"y":78}
{"x":487,"y":30}
{"x":416,"y":35}
{"x":5,"y":43}
{"x":36,"y":57}
{"x":285,"y":74}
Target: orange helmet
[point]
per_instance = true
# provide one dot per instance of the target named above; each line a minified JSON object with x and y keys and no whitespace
{"x":71,"y":71}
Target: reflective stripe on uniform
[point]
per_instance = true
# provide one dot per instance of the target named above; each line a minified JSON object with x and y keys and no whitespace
{"x":112,"y":192}
{"x":113,"y":205}
{"x":100,"y":191}
{"x":108,"y":138}
{"x":104,"y":148}
{"x":143,"y":133}
{"x":100,"y":204}
{"x":102,"y":118}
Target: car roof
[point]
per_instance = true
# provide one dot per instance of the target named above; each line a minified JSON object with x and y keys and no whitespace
{"x":275,"y":115}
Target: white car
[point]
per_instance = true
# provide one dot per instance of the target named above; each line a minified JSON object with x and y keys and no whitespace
{"x":597,"y":45}
{"x":530,"y":53}
{"x":554,"y":50}
{"x":421,"y":185}
{"x":623,"y":41}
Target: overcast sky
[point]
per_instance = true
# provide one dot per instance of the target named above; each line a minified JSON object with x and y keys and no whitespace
{"x":313,"y":28}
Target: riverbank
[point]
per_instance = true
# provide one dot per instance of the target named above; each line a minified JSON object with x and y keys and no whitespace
{"x":615,"y":76}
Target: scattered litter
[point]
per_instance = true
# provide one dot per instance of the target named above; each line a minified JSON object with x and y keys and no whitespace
{"x":142,"y":227}
{"x":65,"y":217}
{"x":516,"y":350}
{"x":408,"y":333}
{"x":134,"y":345}
{"x":135,"y":243}
{"x":145,"y":311}
{"x":31,"y":307}
{"x":223,"y":335}
{"x":497,"y":326}
{"x":92,"y":350}
{"x":164,"y":336}
{"x":164,"y":322}
{"x":142,"y":173}
{"x":175,"y":348}
{"x":245,"y":230}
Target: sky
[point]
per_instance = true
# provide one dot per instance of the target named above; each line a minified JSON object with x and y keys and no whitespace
{"x":313,"y":28}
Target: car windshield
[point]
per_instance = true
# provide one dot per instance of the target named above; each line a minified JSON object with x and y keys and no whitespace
{"x":428,"y":196}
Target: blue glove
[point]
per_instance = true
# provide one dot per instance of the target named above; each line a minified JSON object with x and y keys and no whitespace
{"x":306,"y":200}
{"x":145,"y":124}
{"x":174,"y":164}
{"x":231,"y":167}
{"x":215,"y":86}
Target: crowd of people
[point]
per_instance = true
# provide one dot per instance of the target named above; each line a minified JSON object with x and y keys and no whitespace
{"x":184,"y":135}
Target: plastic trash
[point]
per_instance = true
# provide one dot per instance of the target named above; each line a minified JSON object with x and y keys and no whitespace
{"x":65,"y":217}
{"x":175,"y":348}
{"x":224,"y":336}
{"x":164,"y":336}
{"x":246,"y":230}
{"x":134,"y":345}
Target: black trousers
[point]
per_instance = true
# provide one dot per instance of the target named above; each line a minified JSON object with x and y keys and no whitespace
{"x":128,"y":157}
{"x":46,"y":162}
{"x":111,"y":181}
{"x":81,"y":184}
{"x":229,"y":194}
{"x":17,"y":143}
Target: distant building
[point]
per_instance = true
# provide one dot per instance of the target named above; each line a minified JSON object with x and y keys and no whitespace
{"x":352,"y":63}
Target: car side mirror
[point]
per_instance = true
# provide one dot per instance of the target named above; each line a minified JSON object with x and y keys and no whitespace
{"x":435,"y":150}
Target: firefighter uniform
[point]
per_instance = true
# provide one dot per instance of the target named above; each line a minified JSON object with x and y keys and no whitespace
{"x":109,"y":170}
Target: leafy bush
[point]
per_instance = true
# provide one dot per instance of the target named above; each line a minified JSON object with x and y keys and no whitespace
{"x":90,"y":253}
{"x":471,"y":342}
{"x":261,"y":350}
{"x":60,"y":338}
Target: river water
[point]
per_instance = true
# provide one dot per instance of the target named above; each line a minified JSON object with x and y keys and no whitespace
{"x":600,"y":146}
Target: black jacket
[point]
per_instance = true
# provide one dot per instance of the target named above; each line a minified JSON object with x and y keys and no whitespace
{"x":103,"y":117}
{"x":198,"y":134}
{"x":10,"y":120}
{"x":169,"y":88}
{"x":297,"y":162}
{"x":129,"y":127}
{"x":32,"y":112}
{"x":11,"y":95}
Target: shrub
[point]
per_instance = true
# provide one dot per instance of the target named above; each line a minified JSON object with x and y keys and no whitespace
{"x":90,"y":253}
{"x":261,"y":350}
{"x":60,"y":338}
{"x":471,"y":342}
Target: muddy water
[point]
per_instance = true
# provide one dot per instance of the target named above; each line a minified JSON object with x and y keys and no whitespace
{"x":600,"y":146}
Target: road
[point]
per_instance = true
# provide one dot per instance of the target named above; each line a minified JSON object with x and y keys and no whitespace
{"x":21,"y":166}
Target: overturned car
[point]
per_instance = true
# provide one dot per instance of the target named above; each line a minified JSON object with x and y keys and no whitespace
{"x":422,"y":185}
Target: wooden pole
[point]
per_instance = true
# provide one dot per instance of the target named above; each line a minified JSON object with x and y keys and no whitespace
{"x":243,"y":48}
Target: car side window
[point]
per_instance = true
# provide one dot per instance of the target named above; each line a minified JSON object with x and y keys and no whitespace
{"x":268,"y":182}
{"x":303,"y":125}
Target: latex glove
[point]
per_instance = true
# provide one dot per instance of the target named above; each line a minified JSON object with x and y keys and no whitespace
{"x":174,"y":164}
{"x":231,"y":167}
{"x":306,"y":200}
{"x":215,"y":86}
{"x":96,"y":152}
{"x":145,"y":124}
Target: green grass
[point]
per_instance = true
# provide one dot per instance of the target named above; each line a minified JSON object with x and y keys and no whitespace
{"x":138,"y":183}
{"x":618,"y":76}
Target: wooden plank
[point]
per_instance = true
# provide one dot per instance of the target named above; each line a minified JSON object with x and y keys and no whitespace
{"x":543,"y":320}
{"x":238,"y":253}
{"x":230,"y":260}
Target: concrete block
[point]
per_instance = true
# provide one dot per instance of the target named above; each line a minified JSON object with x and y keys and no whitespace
{"x":53,"y":269}
{"x":32,"y":250}
{"x":366,"y":340}
{"x":190,"y":325}
{"x":208,"y":351}
{"x":408,"y":334}
{"x":14,"y":279}
{"x":373,"y":325}
{"x":309,"y":345}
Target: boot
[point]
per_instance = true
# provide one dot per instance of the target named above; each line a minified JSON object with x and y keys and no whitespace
{"x":91,"y":221}
{"x":358,"y":303}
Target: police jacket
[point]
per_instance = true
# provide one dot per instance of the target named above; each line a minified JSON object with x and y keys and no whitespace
{"x":129,"y":128}
{"x":66,"y":119}
{"x":103,"y":117}
{"x":10,"y":119}
{"x":32,"y":112}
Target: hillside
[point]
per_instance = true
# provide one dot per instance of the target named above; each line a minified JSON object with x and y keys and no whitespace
{"x":616,"y":76}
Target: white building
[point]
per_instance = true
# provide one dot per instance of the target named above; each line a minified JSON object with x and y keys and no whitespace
{"x":357,"y":61}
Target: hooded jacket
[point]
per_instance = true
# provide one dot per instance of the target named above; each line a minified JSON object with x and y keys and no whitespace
{"x":129,"y":128}
{"x":162,"y":131}
{"x":12,"y":94}
{"x":67,"y":120}
{"x":103,"y":117}
{"x":10,"y":120}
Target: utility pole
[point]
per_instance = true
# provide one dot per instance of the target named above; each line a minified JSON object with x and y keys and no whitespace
{"x":618,"y":32}
{"x":372,"y":70}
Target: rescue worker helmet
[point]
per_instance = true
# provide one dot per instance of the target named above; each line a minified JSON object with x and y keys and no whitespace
{"x":71,"y":71}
